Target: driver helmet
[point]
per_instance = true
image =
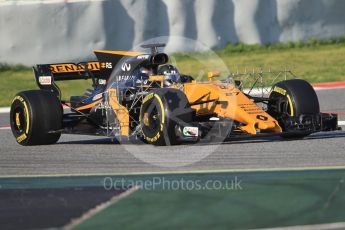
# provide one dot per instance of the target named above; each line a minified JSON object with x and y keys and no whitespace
{"x":145,"y":71}
{"x":170,"y":72}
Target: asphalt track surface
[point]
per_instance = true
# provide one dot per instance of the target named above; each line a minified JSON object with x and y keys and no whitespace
{"x":86,"y":155}
{"x":43,"y":207}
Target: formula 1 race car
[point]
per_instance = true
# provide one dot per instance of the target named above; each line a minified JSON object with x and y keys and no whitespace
{"x":138,"y":95}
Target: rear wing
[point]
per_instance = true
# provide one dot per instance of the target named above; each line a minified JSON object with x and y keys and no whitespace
{"x":72,"y":71}
{"x":99,"y":71}
{"x":47,"y":74}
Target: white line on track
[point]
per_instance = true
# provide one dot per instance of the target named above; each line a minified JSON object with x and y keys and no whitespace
{"x":8,"y":109}
{"x":332,"y":226}
{"x":5,"y":110}
{"x":323,"y":88}
{"x":99,"y":208}
{"x":245,"y":170}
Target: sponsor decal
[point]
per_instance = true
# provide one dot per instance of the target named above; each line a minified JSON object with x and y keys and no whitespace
{"x":153,"y":139}
{"x":169,"y":72}
{"x":45,"y":80}
{"x":214,"y":119}
{"x":125,"y":77}
{"x":143,"y":57}
{"x":148,"y":97}
{"x":279,"y":90}
{"x":21,"y":138}
{"x":106,"y":65}
{"x":190,"y":131}
{"x":232,"y":94}
{"x":126,"y":67}
{"x":262,"y":117}
{"x":18,"y":98}
{"x":71,"y":67}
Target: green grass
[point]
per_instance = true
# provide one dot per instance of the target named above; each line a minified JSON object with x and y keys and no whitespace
{"x":313,"y":60}
{"x":19,"y":78}
{"x":323,"y":63}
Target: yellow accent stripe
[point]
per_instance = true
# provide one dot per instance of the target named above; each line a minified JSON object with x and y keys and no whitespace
{"x":162,"y":107}
{"x":27,"y":117}
{"x":89,"y":106}
{"x":125,"y":53}
{"x":291,"y":106}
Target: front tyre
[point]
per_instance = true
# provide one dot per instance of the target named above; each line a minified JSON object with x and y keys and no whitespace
{"x":34,"y":116}
{"x":161,"y":112}
{"x":295,"y":105}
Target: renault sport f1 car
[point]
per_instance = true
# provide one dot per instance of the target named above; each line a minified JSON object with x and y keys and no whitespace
{"x":139,"y":95}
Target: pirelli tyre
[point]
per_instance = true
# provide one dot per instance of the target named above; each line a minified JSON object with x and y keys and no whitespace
{"x":34,"y":117}
{"x":291,"y":99}
{"x":161,"y":112}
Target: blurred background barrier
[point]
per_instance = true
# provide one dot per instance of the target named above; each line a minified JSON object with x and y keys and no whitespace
{"x":68,"y":30}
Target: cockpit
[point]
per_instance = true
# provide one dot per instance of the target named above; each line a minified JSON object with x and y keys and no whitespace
{"x":171,"y":74}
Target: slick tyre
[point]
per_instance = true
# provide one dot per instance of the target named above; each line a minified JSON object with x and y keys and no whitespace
{"x":34,"y":114}
{"x":293,"y":98}
{"x":161,"y":111}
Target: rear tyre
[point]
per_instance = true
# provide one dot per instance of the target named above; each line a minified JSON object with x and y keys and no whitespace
{"x":290,"y":99}
{"x":161,"y":111}
{"x":34,"y":114}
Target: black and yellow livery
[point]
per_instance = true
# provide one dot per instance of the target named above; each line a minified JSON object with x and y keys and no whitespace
{"x":134,"y":95}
